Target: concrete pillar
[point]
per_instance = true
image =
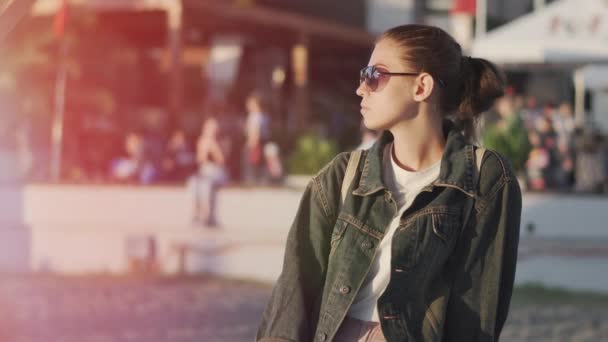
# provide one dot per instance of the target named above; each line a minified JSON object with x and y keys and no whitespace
{"x":579,"y":97}
{"x":481,"y":18}
{"x":300,"y":68}
{"x":15,"y":235}
{"x":174,"y":46}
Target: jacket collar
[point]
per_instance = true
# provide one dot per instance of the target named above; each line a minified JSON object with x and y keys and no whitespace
{"x":456,"y":170}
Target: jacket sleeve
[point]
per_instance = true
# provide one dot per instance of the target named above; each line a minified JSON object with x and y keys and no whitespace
{"x":485,"y":267}
{"x":293,"y":309}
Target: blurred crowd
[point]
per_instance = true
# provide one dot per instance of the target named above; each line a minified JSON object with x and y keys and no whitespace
{"x":225,"y":149}
{"x":548,"y":149}
{"x":229,"y":145}
{"x":546,"y":146}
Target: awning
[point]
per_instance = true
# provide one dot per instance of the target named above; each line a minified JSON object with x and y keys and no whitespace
{"x":259,"y":15}
{"x":286,"y":20}
{"x":565,"y":31}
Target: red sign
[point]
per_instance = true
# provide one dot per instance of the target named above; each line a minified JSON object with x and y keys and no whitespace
{"x":61,"y":18}
{"x":464,"y":6}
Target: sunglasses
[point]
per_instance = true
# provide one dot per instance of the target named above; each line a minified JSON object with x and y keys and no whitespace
{"x":376,"y":80}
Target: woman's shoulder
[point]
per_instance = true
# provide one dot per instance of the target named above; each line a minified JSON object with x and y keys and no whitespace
{"x":328,"y":181}
{"x":496,"y":170}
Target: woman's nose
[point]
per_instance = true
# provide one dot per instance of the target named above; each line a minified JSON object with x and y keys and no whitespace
{"x":360,"y":91}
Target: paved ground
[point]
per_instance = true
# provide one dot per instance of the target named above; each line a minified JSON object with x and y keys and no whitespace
{"x":563,"y":250}
{"x":138,"y":310}
{"x":96,"y":309}
{"x":554,"y":322}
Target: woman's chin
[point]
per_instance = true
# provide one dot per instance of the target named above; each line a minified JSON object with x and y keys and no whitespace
{"x":370,"y":124}
{"x":373,"y":121}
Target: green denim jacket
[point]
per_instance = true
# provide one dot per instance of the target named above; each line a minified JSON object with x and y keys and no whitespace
{"x":453,"y":255}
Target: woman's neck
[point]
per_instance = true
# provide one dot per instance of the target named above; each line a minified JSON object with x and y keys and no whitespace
{"x":419,"y":142}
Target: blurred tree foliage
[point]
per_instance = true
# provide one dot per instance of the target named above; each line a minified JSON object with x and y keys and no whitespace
{"x":509,"y":138}
{"x":312,"y":152}
{"x":100,"y":63}
{"x":103,"y":81}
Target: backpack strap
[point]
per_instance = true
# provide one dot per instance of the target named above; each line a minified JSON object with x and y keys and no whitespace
{"x":479,"y":153}
{"x":349,"y":175}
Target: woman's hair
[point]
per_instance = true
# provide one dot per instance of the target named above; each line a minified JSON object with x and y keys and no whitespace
{"x":467,"y":86}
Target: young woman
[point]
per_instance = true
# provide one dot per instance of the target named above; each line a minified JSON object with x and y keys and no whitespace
{"x":424,"y":245}
{"x":257,"y":134}
{"x":211,"y":174}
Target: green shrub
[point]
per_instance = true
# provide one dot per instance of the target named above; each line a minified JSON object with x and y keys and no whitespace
{"x":510,"y":140}
{"x":311,"y":153}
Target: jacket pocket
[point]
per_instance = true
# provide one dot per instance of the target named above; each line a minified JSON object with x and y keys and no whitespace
{"x":442,"y":231}
{"x":445,"y":226}
{"x":429,"y":237}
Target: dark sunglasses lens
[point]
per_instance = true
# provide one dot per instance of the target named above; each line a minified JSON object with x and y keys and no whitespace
{"x":367,"y":76}
{"x":362,"y":75}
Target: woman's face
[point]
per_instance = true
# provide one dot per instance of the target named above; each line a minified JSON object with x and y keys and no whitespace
{"x":210,"y":127}
{"x":253,"y":105}
{"x":393,"y":101}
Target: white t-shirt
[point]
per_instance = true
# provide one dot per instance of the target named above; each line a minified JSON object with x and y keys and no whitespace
{"x":256,"y":121}
{"x":405,"y":186}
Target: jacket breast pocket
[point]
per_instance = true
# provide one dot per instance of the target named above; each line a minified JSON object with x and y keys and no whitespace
{"x":442,"y":231}
{"x":445,"y":227}
{"x":430,"y":237}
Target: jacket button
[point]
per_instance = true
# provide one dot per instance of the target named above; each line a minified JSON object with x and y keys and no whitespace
{"x":345,"y":289}
{"x":367,"y":245}
{"x":322,"y":336}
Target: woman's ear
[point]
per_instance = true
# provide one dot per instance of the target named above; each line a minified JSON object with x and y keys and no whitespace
{"x":423,"y":87}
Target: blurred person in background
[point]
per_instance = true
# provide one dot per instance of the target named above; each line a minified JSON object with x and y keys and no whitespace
{"x":178,"y":162}
{"x":210,"y":176}
{"x":422,"y":247}
{"x":591,"y":173}
{"x":538,"y":161}
{"x":549,"y":139}
{"x":154,"y":140}
{"x":257,"y":133}
{"x":133,"y":168}
{"x":563,"y":121}
{"x":518,"y":103}
{"x":274,"y":163}
{"x":543,"y":163}
{"x":531,"y":112}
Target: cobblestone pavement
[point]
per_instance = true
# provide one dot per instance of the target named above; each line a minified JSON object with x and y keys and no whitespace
{"x":114,"y":309}
{"x":567,"y":323}
{"x":126,"y":309}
